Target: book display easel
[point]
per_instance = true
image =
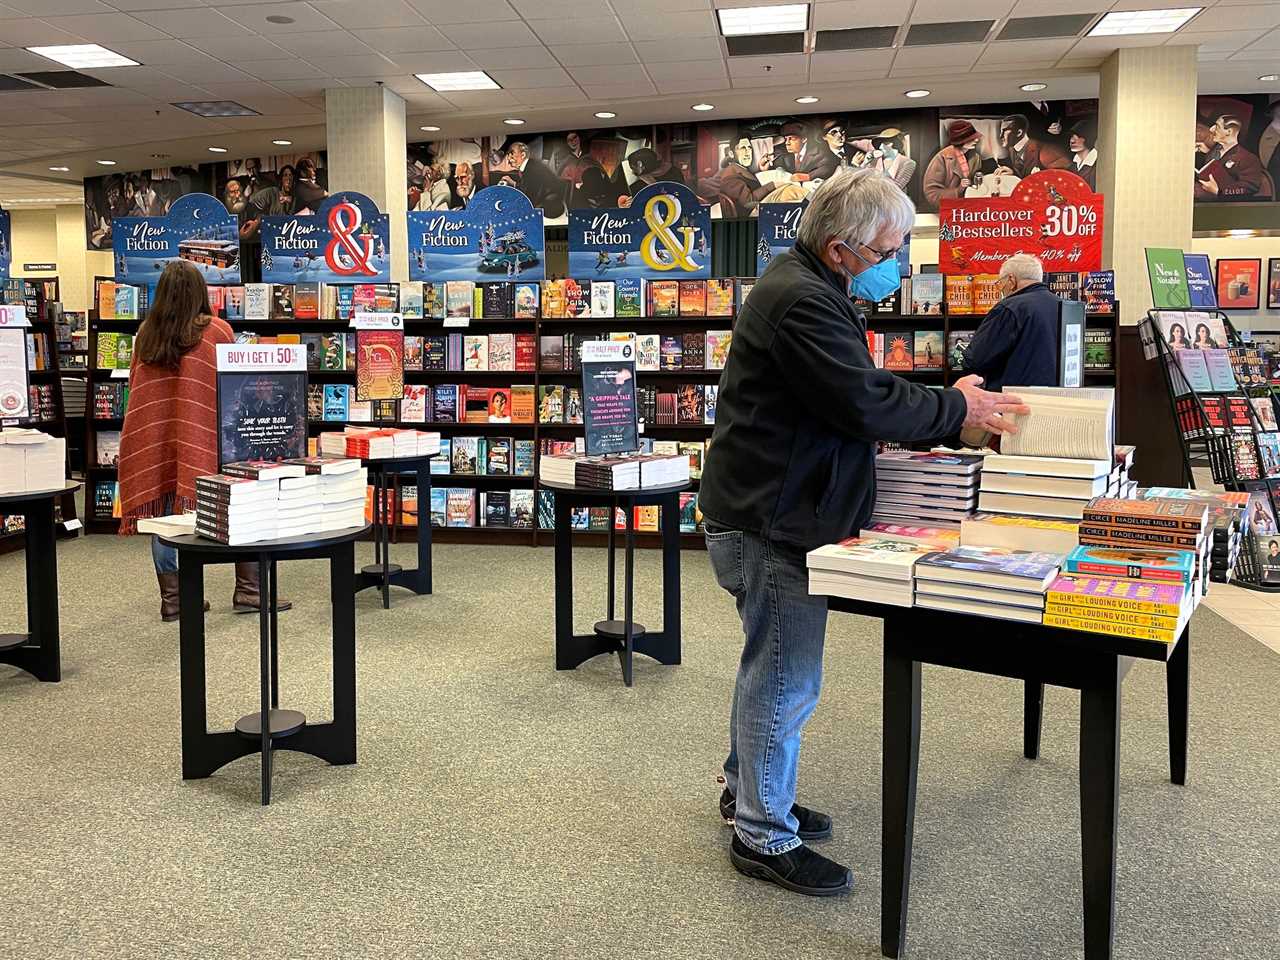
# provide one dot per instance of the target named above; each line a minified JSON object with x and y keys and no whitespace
{"x":1224,"y":408}
{"x":48,"y":412}
{"x":106,"y":396}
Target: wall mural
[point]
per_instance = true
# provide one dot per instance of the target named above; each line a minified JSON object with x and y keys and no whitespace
{"x":1237,"y":148}
{"x":143,"y":193}
{"x":279,"y":186}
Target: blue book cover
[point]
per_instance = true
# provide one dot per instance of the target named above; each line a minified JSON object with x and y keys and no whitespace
{"x":445,"y":403}
{"x":1100,"y":291}
{"x":441,"y":464}
{"x":546,"y":509}
{"x":999,"y":560}
{"x":1200,"y":281}
{"x":1195,"y":367}
{"x":439,"y":497}
{"x":337,"y":397}
{"x":523,"y":461}
{"x":1221,"y":375}
{"x":233,"y":303}
{"x":346,"y":302}
{"x":1134,"y":563}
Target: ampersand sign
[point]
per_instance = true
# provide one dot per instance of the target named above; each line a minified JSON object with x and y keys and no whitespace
{"x":347,"y":253}
{"x":660,"y":230}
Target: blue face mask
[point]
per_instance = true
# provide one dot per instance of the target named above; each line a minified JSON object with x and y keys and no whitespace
{"x":876,"y":282}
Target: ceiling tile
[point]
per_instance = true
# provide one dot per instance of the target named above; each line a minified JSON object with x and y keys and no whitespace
{"x":321,"y":43}
{"x":1226,"y":42}
{"x":105,"y":27}
{"x":941,"y":11}
{"x":130,"y":5}
{"x":305,"y":18}
{"x":562,"y":9}
{"x":243,"y":49}
{"x":13,"y":61}
{"x":531,"y":79}
{"x":620,"y":91}
{"x":35,"y":33}
{"x":212,"y":71}
{"x":57,"y":8}
{"x":196,"y":23}
{"x":679,"y":48}
{"x":784,"y":65}
{"x":472,"y":11}
{"x":133,"y":78}
{"x":944,"y":55}
{"x":1049,"y":8}
{"x":357,"y":65}
{"x":173,"y":91}
{"x":664,"y":6}
{"x":1242,"y":17}
{"x":412,"y":39}
{"x":370,"y":13}
{"x":594,"y":54}
{"x":501,"y":33}
{"x":596,"y":74}
{"x":305,"y":88}
{"x":1026,"y":51}
{"x":845,"y":14}
{"x":690,"y":70}
{"x":547,"y":96}
{"x":579,"y":30}
{"x":1270,"y":41}
{"x":676,"y":26}
{"x":690,"y":86}
{"x":1088,"y":46}
{"x":835,"y":63}
{"x":480,"y":99}
{"x":155,"y":53}
{"x":515,"y":58}
{"x":1032,"y":69}
{"x":442,"y":61}
{"x":272,"y":70}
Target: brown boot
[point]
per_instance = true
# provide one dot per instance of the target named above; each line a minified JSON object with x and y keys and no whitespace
{"x":248,"y":597}
{"x":169,"y":597}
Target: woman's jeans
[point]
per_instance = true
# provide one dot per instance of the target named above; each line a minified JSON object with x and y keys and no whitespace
{"x":779,"y":679}
{"x":166,"y":558}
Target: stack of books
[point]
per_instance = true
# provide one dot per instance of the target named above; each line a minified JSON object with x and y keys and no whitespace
{"x":31,"y":460}
{"x":877,"y":571}
{"x":236,"y":510}
{"x":628,"y":472}
{"x":370,"y":443}
{"x":987,"y":581}
{"x":1227,"y":523}
{"x":1054,"y":487}
{"x":940,"y":489}
{"x":1020,"y":532}
{"x":941,"y":538}
{"x":1119,"y":606}
{"x":1162,"y":533}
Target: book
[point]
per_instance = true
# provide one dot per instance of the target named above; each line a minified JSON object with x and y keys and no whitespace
{"x":932,"y":591}
{"x":1222,"y":377}
{"x":433,"y":301}
{"x":1100,"y":291}
{"x":577,"y":299}
{"x":928,"y":353}
{"x":551,"y":353}
{"x":602,"y":299}
{"x":1047,"y":466}
{"x":957,"y":344}
{"x":475,"y":352}
{"x":1064,"y":284}
{"x":413,"y":405}
{"x":986,"y":292}
{"x":648,"y":352}
{"x":460,"y":506}
{"x":315,"y":401}
{"x":1152,"y":512}
{"x":126,"y":305}
{"x":936,"y":537}
{"x":927,"y":294}
{"x":672,"y":352}
{"x":411,"y":300}
{"x":1135,"y":563}
{"x":1118,"y":595}
{"x":959,"y":294}
{"x":337,"y":397}
{"x":1019,"y":532}
{"x":693,"y":354}
{"x":628,"y":302}
{"x":551,"y":403}
{"x":991,"y":567}
{"x":306,"y":300}
{"x":980,"y":608}
{"x":1097,"y":349}
{"x":663,"y":297}
{"x":885,"y":559}
{"x":522,"y":458}
{"x":282,"y":301}
{"x":719,"y":297}
{"x":553,"y":300}
{"x":1112,"y":628}
{"x":717,"y":343}
{"x":908,"y":461}
{"x":502,"y":351}
{"x":900,"y":352}
{"x":1063,"y":422}
{"x":459,"y":296}
{"x":693,"y":298}
{"x":1067,"y":508}
{"x":525,"y":301}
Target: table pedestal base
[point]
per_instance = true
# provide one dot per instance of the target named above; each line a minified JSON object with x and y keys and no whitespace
{"x":38,"y":650}
{"x":12,"y":641}
{"x":382,"y":573}
{"x":283,"y":723}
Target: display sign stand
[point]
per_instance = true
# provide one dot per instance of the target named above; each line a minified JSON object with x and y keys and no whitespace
{"x":262,"y":402}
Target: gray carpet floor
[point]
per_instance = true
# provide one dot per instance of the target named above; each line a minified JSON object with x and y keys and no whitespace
{"x":501,"y":809}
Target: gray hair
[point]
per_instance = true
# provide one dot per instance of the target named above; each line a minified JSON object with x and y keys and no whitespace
{"x":855,"y":206}
{"x":1023,"y":267}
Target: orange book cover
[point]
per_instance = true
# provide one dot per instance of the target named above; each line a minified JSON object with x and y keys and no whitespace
{"x":986,"y":292}
{"x":523,"y":405}
{"x":106,"y":300}
{"x":959,"y":292}
{"x":693,"y":298}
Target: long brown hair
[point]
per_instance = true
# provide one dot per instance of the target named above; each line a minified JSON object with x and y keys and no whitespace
{"x":177,"y":318}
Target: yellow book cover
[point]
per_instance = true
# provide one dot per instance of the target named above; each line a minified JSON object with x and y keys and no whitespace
{"x":106,"y":300}
{"x":959,"y":293}
{"x":647,"y":518}
{"x":477,"y":302}
{"x":1110,"y":629}
{"x":1118,"y":593}
{"x":1088,"y":611}
{"x":986,"y":292}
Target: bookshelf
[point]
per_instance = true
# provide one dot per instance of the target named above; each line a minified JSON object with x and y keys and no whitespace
{"x":41,"y":298}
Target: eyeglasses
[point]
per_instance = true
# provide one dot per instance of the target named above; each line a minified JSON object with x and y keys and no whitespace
{"x":881,"y":255}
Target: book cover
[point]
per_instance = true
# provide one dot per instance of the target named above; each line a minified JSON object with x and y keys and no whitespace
{"x":602,"y":299}
{"x":413,"y":406}
{"x":364,"y":298}
{"x":497,"y":508}
{"x":411,"y":301}
{"x":551,"y":353}
{"x":526,"y":301}
{"x":688,"y":513}
{"x":553,"y":299}
{"x":497,"y":300}
{"x":551,"y":403}
{"x":502,"y":351}
{"x":927,"y":294}
{"x":1100,"y":291}
{"x":345,"y":302}
{"x":315,"y":401}
{"x":336,"y":399}
{"x":1165,"y":513}
{"x":433,"y":301}
{"x":126,"y":306}
{"x":498,"y":457}
{"x":958,"y":290}
{"x":521,"y":507}
{"x":499,"y":405}
{"x":664,"y":298}
{"x":282,"y":301}
{"x":689,"y":399}
{"x":413,"y":347}
{"x":711,"y":398}
{"x":379,"y":364}
{"x":693,"y":298}
{"x":986,"y":292}
{"x":1221,"y":374}
{"x":573,"y":404}
{"x":720,"y":297}
{"x":460,"y":507}
{"x":885,"y":559}
{"x":107,"y":346}
{"x":106,"y":300}
{"x":694,"y":450}
{"x":1195,"y":368}
{"x":1111,"y":628}
{"x":672,"y":351}
{"x":523,"y":403}
{"x":928,"y":350}
{"x":465,"y":455}
{"x":1137,"y":563}
{"x":434,"y":349}
{"x":1064,"y":284}
{"x":458,"y":298}
{"x":577,"y":299}
{"x":957,"y":344}
{"x":1019,"y":564}
{"x":306,"y":300}
{"x":1265,"y":409}
{"x":900,"y":352}
{"x":717,"y":348}
{"x":648,"y":352}
{"x":1097,"y":349}
{"x":522,"y":458}
{"x":444,"y":403}
{"x":475,"y":404}
{"x":475,"y":352}
{"x":627,"y":297}
{"x":1113,"y":593}
{"x":693,"y":349}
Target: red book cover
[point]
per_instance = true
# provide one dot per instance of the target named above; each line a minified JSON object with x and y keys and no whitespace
{"x":526,"y":352}
{"x":379,"y":365}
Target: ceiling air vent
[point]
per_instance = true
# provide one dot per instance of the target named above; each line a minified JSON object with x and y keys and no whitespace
{"x":761,"y":44}
{"x":964,"y":31}
{"x":858,"y":38}
{"x":63,"y":79}
{"x":1045,"y":28}
{"x":16,"y":83}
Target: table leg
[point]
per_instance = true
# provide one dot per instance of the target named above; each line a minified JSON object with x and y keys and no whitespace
{"x":264,"y":660}
{"x":385,"y":528}
{"x":374,"y":517}
{"x":1099,"y":803}
{"x":628,"y":598}
{"x":191,"y":677}
{"x":275,"y":642}
{"x":342,"y":591}
{"x":670,"y":652}
{"x":1178,"y":681}
{"x":564,"y":583}
{"x":1032,"y":718}
{"x":42,"y":591}
{"x":424,"y":527}
{"x":612,"y":542}
{"x":901,"y":759}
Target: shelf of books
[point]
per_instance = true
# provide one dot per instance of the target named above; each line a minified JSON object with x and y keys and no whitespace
{"x":45,"y":401}
{"x":923,"y":328}
{"x":113,"y":323}
{"x":1224,"y":404}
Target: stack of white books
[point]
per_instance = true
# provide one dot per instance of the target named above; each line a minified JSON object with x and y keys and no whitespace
{"x":988,"y":581}
{"x":1053,"y":487}
{"x":636,"y":471}
{"x":372,"y":443}
{"x":236,"y":510}
{"x":877,"y":571}
{"x":31,"y":460}
{"x":934,"y":489}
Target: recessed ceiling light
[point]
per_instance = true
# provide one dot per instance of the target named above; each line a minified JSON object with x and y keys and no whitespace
{"x":217,"y":149}
{"x":215,"y":108}
{"x":806,"y":99}
{"x":916,"y":94}
{"x":106,"y":163}
{"x":743,"y":21}
{"x":430,"y":128}
{"x":61,"y":169}
{"x":83,"y":56}
{"x":462,"y":80}
{"x":1269,"y":77}
{"x":704,"y":106}
{"x":277,"y":18}
{"x":513,"y":121}
{"x":605,"y":115}
{"x":283,"y":143}
{"x":1121,"y":22}
{"x":1032,"y":87}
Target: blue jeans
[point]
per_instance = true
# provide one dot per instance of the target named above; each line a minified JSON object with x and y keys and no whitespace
{"x":165,"y":558}
{"x":779,"y":679}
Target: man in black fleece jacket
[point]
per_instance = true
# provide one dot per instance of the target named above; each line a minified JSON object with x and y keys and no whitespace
{"x":791,"y":467}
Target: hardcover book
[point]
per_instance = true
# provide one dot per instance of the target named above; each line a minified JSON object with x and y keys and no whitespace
{"x":282,"y":301}
{"x":648,"y":352}
{"x":664,"y":298}
{"x":444,"y":403}
{"x":523,"y":403}
{"x":957,"y":344}
{"x":927,"y":294}
{"x":694,"y":348}
{"x":928,"y":350}
{"x":689,"y":403}
{"x":551,"y":403}
{"x":435,"y":352}
{"x":899,"y":352}
{"x":717,"y":348}
{"x":602,"y":299}
{"x":628,"y":297}
{"x":257,"y":301}
{"x":460,"y":507}
{"x":475,"y":352}
{"x":672,"y":352}
{"x":1100,"y":291}
{"x":411,"y":301}
{"x":1137,"y":563}
{"x":526,"y":301}
{"x":433,"y":301}
{"x":553,"y":300}
{"x":719,"y":297}
{"x":693,"y":298}
{"x":315,"y":401}
{"x":413,"y":353}
{"x":413,"y":407}
{"x":577,"y":299}
{"x":959,"y":294}
{"x":458,"y":298}
{"x":502,"y":351}
{"x":306,"y":300}
{"x":337,"y":397}
{"x":551,"y":353}
{"x":1064,"y":284}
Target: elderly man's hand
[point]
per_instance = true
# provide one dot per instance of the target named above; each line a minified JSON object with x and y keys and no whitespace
{"x":985,"y":409}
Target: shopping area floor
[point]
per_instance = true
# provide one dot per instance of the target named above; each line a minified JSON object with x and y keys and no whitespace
{"x":501,"y":809}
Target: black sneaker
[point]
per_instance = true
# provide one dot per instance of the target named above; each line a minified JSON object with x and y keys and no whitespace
{"x":800,"y":870}
{"x":813,"y":825}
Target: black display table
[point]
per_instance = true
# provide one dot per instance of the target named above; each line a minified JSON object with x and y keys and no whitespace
{"x":204,"y":752}
{"x":38,"y":650}
{"x":1094,"y":664}
{"x":623,"y":637}
{"x":382,"y":573}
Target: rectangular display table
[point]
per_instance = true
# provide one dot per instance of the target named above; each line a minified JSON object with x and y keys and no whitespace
{"x":1094,"y":664}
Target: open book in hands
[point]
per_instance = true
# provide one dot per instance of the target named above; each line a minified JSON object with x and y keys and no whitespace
{"x":1073,"y":422}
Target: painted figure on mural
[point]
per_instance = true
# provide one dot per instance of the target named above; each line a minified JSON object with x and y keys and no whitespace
{"x":1230,"y":171}
{"x":1083,"y":144}
{"x":956,"y":166}
{"x":735,"y":187}
{"x":800,"y":157}
{"x":534,"y":179}
{"x":1025,"y":155}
